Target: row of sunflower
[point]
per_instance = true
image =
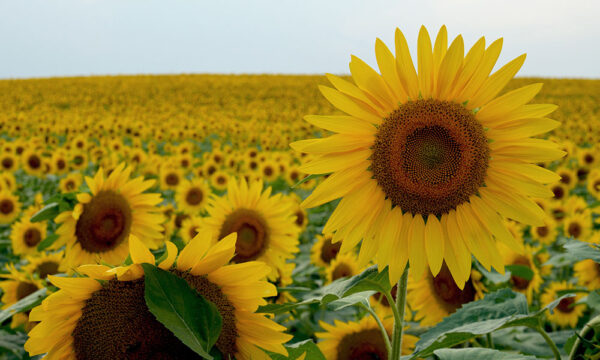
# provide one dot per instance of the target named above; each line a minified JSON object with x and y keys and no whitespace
{"x":192,"y":175}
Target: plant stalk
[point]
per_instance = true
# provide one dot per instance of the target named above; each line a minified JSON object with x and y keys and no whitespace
{"x":386,"y":338}
{"x":399,"y":315}
{"x":548,"y":341}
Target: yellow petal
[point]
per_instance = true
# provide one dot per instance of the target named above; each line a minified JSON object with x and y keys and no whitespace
{"x":171,"y":250}
{"x":389,"y":71}
{"x":333,"y":162}
{"x":369,"y":81}
{"x":490,"y":56}
{"x":514,"y":206}
{"x":496,"y":82}
{"x":425,"y":63}
{"x":405,"y":66}
{"x":503,"y":105}
{"x":342,"y":124}
{"x":434,"y":244}
{"x":353,"y":91}
{"x":470,"y":64}
{"x":450,"y":67}
{"x":416,"y":245}
{"x":139,"y":252}
{"x":347,"y":105}
{"x":337,"y":185}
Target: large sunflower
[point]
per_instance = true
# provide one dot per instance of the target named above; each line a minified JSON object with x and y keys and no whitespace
{"x":108,"y":319}
{"x":264,"y":223}
{"x":359,"y":340}
{"x":427,"y":164}
{"x":98,"y":228}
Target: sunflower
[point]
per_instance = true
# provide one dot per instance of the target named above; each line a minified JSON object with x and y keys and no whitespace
{"x":559,"y":190}
{"x":264,"y":223}
{"x":8,"y":182}
{"x":8,"y":162}
{"x":170,"y":177}
{"x":192,"y":195}
{"x":71,"y":182}
{"x":78,"y":160}
{"x":568,"y":311}
{"x":522,"y":285}
{"x":587,"y":273}
{"x":75,"y":320}
{"x":343,"y":266}
{"x":427,"y":165}
{"x":269,"y":170}
{"x":435,"y":297}
{"x":578,"y":226}
{"x":10,"y":207}
{"x":300,"y":213}
{"x":293,"y":175}
{"x":25,"y":236}
{"x":44,"y":264}
{"x":593,"y":185}
{"x":17,"y":286}
{"x":359,"y":340}
{"x":219,"y":180}
{"x":190,"y":227}
{"x":209,"y":168}
{"x":324,"y":251}
{"x":98,"y":228}
{"x":568,"y":177}
{"x":32,"y":161}
{"x":545,"y":234}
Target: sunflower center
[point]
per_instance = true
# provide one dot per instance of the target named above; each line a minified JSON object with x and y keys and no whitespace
{"x":70,"y":185}
{"x":6,"y":206}
{"x":430,"y":156}
{"x":60,"y":164}
{"x":363,"y":345}
{"x":252,"y":233}
{"x":519,"y":282}
{"x":342,"y":270}
{"x":596,"y":185}
{"x":330,"y":250}
{"x":558,"y":191}
{"x":7,"y":163}
{"x":574,"y":230}
{"x":194,"y":196}
{"x":226,"y":343}
{"x":115,"y":323}
{"x":32,"y":237}
{"x":104,"y":222}
{"x":172,"y":179}
{"x":47,"y":268}
{"x":446,"y":290}
{"x":299,"y":217}
{"x":542,"y":231}
{"x":566,"y":305}
{"x":25,"y":289}
{"x":34,"y":162}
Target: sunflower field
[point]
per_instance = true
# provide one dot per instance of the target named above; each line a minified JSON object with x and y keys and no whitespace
{"x":424,"y":208}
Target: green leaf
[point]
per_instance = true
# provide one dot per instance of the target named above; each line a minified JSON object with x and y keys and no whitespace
{"x":593,"y":300}
{"x":521,"y":271}
{"x":48,"y":212}
{"x":181,"y":309}
{"x":479,"y":354}
{"x":295,"y":351}
{"x":12,"y":342}
{"x":366,"y":283}
{"x":530,"y":341}
{"x":47,"y":242}
{"x":575,"y":250}
{"x":28,"y":302}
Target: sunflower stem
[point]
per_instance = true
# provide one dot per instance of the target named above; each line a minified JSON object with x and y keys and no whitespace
{"x":399,"y":315}
{"x":386,"y":338}
{"x":549,"y":341}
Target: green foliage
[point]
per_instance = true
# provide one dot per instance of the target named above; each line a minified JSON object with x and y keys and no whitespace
{"x":479,"y":354}
{"x":308,"y":348}
{"x":27,"y":303}
{"x":181,"y":309}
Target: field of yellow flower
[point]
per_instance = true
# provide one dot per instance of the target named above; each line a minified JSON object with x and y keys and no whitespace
{"x":160,"y":216}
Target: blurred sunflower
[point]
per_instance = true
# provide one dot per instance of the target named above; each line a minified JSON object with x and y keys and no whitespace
{"x":10,"y":207}
{"x":191,"y":196}
{"x":99,"y":226}
{"x":323,"y":252}
{"x":190,"y":227}
{"x":520,"y":284}
{"x":25,"y":236}
{"x":264,"y":223}
{"x":108,"y":319}
{"x":269,"y":170}
{"x":170,"y":177}
{"x":44,"y":264}
{"x":593,"y":185}
{"x":568,"y":311}
{"x":32,"y":161}
{"x":427,"y":165}
{"x":435,"y":297}
{"x":545,"y":234}
{"x":219,"y":180}
{"x":17,"y":286}
{"x":343,"y":266}
{"x":578,"y":226}
{"x":587,"y":273}
{"x":359,"y":340}
{"x":8,"y":162}
{"x":71,"y":182}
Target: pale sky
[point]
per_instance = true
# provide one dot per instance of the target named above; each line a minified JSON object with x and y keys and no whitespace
{"x":45,"y":38}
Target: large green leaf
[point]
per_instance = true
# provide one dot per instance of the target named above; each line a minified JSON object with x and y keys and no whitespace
{"x":479,"y":354}
{"x":575,"y":250}
{"x":28,"y":302}
{"x":295,"y":351}
{"x":47,"y":242}
{"x":48,"y":212}
{"x":181,"y":309}
{"x":529,"y":341}
{"x":362,"y":286}
{"x":501,"y":309}
{"x":521,"y":271}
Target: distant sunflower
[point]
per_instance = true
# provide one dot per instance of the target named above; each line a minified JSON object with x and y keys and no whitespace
{"x":25,"y":236}
{"x":568,"y":312}
{"x":300,"y":213}
{"x":108,"y":319}
{"x":190,"y":227}
{"x":17,"y":286}
{"x":192,"y":196}
{"x":10,"y":207}
{"x":593,"y":185}
{"x":170,"y":177}
{"x":427,"y":165}
{"x":99,"y":226}
{"x":269,"y":170}
{"x":359,"y":340}
{"x":323,"y":252}
{"x":578,"y":226}
{"x":587,"y":273}
{"x":343,"y":266}
{"x":8,"y":162}
{"x":435,"y":297}
{"x":264,"y":223}
{"x":219,"y":180}
{"x":32,"y":162}
{"x":545,"y":234}
{"x":44,"y":264}
{"x":520,"y":284}
{"x":71,"y":182}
